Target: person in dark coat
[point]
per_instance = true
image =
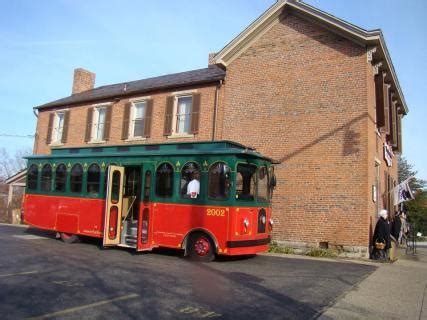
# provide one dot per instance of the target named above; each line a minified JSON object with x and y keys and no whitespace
{"x":382,"y":234}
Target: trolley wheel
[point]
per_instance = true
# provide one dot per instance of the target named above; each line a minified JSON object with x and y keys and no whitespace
{"x":201,"y":247}
{"x":69,"y":237}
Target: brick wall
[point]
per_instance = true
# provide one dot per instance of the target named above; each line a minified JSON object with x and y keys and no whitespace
{"x":299,"y":94}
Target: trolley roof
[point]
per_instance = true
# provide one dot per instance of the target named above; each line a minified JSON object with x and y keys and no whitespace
{"x":146,"y":150}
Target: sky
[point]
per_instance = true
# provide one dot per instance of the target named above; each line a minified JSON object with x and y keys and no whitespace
{"x":42,"y":42}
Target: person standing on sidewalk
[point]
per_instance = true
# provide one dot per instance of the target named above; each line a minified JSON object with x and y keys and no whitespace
{"x":395,"y":227}
{"x":381,"y":238}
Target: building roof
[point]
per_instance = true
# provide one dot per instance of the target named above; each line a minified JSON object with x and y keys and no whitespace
{"x":20,"y":176}
{"x":176,"y":80}
{"x":373,"y":40}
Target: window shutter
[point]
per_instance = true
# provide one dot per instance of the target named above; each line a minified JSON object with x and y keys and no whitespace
{"x":50,"y":128}
{"x":125,"y":127}
{"x":89,"y":118}
{"x":148,"y":117}
{"x":107,"y":125}
{"x":399,"y":133}
{"x":393,"y":131}
{"x":386,"y":108}
{"x":379,"y":99}
{"x":65,"y":128}
{"x":195,"y":113}
{"x":167,"y":130}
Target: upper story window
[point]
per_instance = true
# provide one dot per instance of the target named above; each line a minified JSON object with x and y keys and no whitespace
{"x":137,"y":119}
{"x":98,"y":123}
{"x":138,"y":114}
{"x":57,"y":127}
{"x":182,"y":115}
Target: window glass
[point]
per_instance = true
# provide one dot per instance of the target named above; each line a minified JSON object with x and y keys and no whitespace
{"x":115,"y":187}
{"x":76,"y":178}
{"x":147,"y":186}
{"x":245,"y":182}
{"x":164,"y":180}
{"x":100,"y":123}
{"x":93,"y":178}
{"x":33,"y":175}
{"x":219,"y":181}
{"x":190,"y":181}
{"x":138,"y":119}
{"x":60,"y":178}
{"x":46,"y":177}
{"x":59,"y":126}
{"x":183,"y":114}
{"x":263,"y":184}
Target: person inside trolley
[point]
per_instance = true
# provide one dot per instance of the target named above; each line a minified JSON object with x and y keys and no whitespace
{"x":193,"y":188}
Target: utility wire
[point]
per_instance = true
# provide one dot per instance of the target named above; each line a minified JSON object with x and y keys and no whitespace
{"x":17,"y":135}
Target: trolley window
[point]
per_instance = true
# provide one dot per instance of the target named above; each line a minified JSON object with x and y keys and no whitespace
{"x":76,"y":178}
{"x":60,"y":177}
{"x":93,"y":178}
{"x":164,"y":180}
{"x":190,"y":181}
{"x":263,"y":184}
{"x":33,"y":175}
{"x":46,"y":177}
{"x":219,"y":181}
{"x":245,"y":182}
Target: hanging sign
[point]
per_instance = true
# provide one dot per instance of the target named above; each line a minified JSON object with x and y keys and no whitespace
{"x":388,"y":154}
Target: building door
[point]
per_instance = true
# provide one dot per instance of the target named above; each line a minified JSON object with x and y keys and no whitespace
{"x":113,"y":206}
{"x":145,"y":226}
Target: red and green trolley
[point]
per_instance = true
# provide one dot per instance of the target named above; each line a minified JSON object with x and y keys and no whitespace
{"x":137,"y":196}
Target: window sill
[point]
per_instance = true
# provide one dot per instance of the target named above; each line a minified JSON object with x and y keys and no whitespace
{"x":135,"y":139}
{"x":56,"y":144}
{"x":96,"y":141}
{"x":181,"y":135}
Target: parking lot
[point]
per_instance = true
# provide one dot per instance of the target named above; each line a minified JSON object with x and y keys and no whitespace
{"x":44,"y":278}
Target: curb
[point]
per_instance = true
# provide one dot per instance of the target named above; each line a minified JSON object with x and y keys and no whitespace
{"x":15,"y":225}
{"x":339,"y":260}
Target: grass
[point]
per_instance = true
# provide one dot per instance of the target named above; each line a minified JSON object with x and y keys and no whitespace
{"x":275,"y":248}
{"x":324,"y":253}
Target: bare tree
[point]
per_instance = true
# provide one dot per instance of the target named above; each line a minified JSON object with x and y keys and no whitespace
{"x":9,"y":165}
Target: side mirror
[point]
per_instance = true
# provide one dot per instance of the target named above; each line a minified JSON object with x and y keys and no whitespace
{"x":273,"y":181}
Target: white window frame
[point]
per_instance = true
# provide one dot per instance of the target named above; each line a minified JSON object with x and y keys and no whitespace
{"x":132,"y":119}
{"x":175,"y":133}
{"x":95,"y":124}
{"x":56,"y":137}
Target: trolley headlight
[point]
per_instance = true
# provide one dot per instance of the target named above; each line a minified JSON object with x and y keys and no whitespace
{"x":271,"y":223}
{"x":246,"y":223}
{"x":263,"y":219}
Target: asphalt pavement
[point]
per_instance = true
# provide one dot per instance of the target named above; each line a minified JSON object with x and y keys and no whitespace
{"x":44,"y":278}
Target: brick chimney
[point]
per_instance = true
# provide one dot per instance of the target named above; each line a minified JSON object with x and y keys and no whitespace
{"x":83,"y":80}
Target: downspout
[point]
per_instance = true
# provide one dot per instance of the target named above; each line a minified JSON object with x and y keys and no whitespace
{"x":218,"y":87}
{"x":36,"y":135}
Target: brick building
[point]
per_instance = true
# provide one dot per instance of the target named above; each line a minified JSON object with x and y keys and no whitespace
{"x":316,"y":93}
